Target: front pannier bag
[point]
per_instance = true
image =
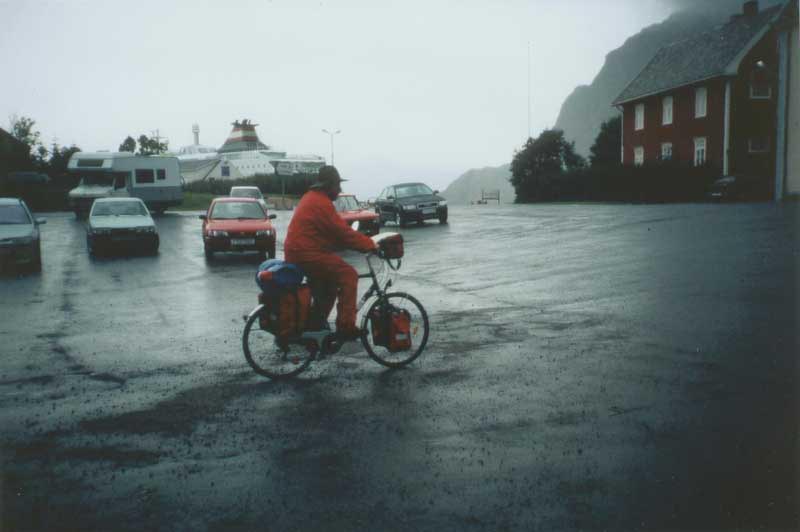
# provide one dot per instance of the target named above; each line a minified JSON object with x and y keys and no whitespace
{"x":391,"y":329}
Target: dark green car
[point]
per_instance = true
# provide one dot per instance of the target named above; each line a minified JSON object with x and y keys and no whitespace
{"x":410,"y":202}
{"x":19,"y":235}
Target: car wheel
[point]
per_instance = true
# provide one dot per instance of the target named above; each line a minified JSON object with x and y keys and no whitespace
{"x":398,"y":219}
{"x":270,"y":254}
{"x":209,"y":253}
{"x":381,"y":221}
{"x":36,"y":265}
{"x":154,"y":247}
{"x":443,"y":219}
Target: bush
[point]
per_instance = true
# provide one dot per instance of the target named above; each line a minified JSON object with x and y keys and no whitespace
{"x":653,"y":183}
{"x":295,"y":185}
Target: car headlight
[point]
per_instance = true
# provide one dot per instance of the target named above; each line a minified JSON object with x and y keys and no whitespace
{"x":409,"y":207}
{"x":216,"y":234}
{"x":149,"y":229}
{"x":265,"y":232}
{"x":443,"y":203}
{"x":95,"y":231}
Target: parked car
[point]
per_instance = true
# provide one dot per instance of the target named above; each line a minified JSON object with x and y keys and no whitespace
{"x":351,"y":210}
{"x":741,"y":188}
{"x":121,"y":224}
{"x":20,"y":243}
{"x":410,"y":202}
{"x":248,"y":192}
{"x":238,"y":224}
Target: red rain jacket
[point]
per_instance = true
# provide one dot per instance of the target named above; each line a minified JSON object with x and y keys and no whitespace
{"x":316,"y":228}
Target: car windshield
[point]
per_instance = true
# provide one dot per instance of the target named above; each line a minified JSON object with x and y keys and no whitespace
{"x":119,"y":208}
{"x":98,"y":179}
{"x":246,"y":193}
{"x":346,"y":203}
{"x":407,"y":191}
{"x":233,"y":210}
{"x":14,"y":214}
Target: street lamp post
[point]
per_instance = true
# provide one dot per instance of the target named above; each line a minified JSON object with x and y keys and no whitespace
{"x":331,"y":135}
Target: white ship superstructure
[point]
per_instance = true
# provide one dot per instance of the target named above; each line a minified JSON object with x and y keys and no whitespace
{"x":242,"y":155}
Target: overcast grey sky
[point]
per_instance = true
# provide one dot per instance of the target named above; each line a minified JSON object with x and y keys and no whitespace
{"x":421,"y":90}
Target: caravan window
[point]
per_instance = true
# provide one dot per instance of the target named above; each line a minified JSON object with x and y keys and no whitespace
{"x":161,"y":174}
{"x":144,"y":176}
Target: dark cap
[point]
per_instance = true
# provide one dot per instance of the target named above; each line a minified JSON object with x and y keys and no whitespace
{"x":328,"y":175}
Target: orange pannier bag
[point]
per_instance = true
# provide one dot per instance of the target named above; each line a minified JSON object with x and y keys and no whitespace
{"x":391,"y":329}
{"x":286,"y":313}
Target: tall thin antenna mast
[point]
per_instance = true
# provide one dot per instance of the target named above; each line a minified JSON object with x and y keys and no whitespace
{"x":529,"y":89}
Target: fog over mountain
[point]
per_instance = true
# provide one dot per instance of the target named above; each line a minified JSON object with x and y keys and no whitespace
{"x":588,"y":106}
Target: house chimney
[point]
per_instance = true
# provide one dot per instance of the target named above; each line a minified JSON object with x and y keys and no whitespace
{"x":750,"y":9}
{"x":196,"y":131}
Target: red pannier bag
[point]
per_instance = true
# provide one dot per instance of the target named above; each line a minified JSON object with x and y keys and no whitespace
{"x":392,"y":329}
{"x":286,"y":314}
{"x":392,"y":246}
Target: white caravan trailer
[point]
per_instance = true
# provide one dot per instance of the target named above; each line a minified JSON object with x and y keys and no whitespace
{"x":154,"y":179}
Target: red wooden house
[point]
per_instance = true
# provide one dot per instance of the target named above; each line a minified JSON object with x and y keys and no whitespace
{"x":719,"y":98}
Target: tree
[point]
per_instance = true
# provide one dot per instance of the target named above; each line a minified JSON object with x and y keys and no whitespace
{"x":22,"y":129}
{"x":129,"y":144}
{"x":608,"y":144}
{"x":59,"y":158}
{"x":538,"y":166}
{"x":148,"y":146}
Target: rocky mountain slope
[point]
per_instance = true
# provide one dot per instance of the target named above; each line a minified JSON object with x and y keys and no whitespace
{"x":467,"y":188}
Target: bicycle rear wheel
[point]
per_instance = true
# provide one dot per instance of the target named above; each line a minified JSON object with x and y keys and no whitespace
{"x":418,"y":331}
{"x":271,"y":358}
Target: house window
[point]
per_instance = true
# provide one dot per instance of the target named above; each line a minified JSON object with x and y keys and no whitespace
{"x":639,"y":117}
{"x":225,"y":171}
{"x":144,"y":176}
{"x":666,"y":110}
{"x":699,"y":151}
{"x":666,"y":151}
{"x":700,"y":102}
{"x":638,"y":156}
{"x":161,"y":174}
{"x":759,"y":85}
{"x":758,"y":144}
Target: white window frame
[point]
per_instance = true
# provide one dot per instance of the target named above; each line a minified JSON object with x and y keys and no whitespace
{"x":666,"y":110}
{"x":666,"y":151}
{"x":764,"y":148}
{"x":700,"y":151}
{"x":639,"y":117}
{"x":700,"y":102}
{"x":638,"y":155}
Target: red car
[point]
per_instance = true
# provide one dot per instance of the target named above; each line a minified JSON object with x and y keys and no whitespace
{"x":238,"y":224}
{"x":350,"y":210}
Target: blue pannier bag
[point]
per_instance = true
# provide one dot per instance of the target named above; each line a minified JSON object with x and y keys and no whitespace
{"x":275,"y":276}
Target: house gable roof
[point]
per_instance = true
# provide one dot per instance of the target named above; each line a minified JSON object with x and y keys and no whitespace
{"x":707,"y":55}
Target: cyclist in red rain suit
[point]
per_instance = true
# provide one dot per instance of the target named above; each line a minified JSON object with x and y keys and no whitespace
{"x":315,"y":232}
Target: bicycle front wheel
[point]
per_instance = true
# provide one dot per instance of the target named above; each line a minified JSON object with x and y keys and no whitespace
{"x":418,"y":330}
{"x":271,"y":358}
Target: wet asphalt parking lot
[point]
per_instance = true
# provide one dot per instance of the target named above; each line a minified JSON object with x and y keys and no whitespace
{"x":615,"y":367}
